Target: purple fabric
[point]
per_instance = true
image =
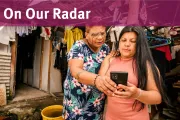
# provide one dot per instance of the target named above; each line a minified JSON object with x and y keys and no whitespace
{"x":103,"y":12}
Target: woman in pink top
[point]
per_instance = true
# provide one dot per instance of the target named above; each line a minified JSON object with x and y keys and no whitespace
{"x":144,"y":81}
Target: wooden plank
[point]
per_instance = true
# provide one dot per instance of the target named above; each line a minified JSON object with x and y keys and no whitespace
{"x":5,"y":64}
{"x":13,"y":67}
{"x":2,"y":57}
{"x":5,"y":61}
{"x":36,"y":63}
{"x":4,"y":68}
{"x":5,"y":54}
{"x":2,"y":94}
{"x":5,"y":71}
{"x":4,"y":75}
{"x":49,"y":67}
{"x":4,"y":81}
{"x":30,"y":77}
{"x":4,"y":78}
{"x":41,"y":64}
{"x":7,"y":85}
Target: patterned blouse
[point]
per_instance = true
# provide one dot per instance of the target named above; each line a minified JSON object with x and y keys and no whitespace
{"x":81,"y":101}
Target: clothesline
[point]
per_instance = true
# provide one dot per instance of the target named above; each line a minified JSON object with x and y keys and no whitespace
{"x":8,"y":33}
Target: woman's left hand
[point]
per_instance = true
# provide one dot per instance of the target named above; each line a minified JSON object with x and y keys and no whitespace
{"x":126,"y":92}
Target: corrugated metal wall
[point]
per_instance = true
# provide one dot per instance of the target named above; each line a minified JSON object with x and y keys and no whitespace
{"x":5,"y":70}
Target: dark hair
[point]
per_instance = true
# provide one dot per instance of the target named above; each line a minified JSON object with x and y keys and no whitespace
{"x":88,"y":28}
{"x":141,"y":59}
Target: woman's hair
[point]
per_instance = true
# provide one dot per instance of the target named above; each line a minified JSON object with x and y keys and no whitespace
{"x":88,"y":28}
{"x":141,"y":57}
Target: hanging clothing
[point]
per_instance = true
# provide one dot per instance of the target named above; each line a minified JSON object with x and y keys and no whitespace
{"x":77,"y":34}
{"x":174,"y":49}
{"x":69,"y":39}
{"x":57,"y":60}
{"x":24,"y":30}
{"x":160,"y":61}
{"x":114,"y":35}
{"x":7,"y":34}
{"x":46,"y":32}
{"x":57,"y":39}
{"x":165,"y":49}
{"x":63,"y":63}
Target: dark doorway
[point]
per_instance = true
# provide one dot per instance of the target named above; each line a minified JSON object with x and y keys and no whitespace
{"x":25,"y":54}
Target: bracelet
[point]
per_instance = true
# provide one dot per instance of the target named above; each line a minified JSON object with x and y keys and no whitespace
{"x":140,"y":92}
{"x":95,"y":80}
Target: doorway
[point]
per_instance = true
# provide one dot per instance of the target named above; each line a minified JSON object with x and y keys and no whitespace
{"x":26,"y":66}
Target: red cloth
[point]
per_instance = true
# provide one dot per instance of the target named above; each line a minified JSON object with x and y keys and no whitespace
{"x":47,"y":31}
{"x":165,"y":49}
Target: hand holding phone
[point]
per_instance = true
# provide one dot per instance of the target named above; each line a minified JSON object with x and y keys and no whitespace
{"x":119,"y":77}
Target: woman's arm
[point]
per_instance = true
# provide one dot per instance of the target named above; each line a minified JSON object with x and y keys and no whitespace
{"x":76,"y":69}
{"x":105,"y":65}
{"x":149,"y":96}
{"x":152,"y":95}
{"x":85,"y":77}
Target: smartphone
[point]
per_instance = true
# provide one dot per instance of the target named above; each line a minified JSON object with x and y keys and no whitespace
{"x":119,"y":77}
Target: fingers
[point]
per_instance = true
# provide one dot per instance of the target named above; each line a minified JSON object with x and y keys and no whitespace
{"x":105,"y":85}
{"x":112,"y":85}
{"x":129,"y":91}
{"x":100,"y":86}
{"x":103,"y":89}
{"x":120,"y":86}
{"x":122,"y":94}
{"x":108,"y":87}
{"x":112,"y":53}
{"x":120,"y":89}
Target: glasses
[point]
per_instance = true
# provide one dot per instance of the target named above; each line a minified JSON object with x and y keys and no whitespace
{"x":96,"y":35}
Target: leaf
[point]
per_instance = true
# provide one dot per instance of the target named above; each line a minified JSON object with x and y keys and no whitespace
{"x":96,"y":65}
{"x":92,"y":69}
{"x":72,"y":85}
{"x":79,"y":92}
{"x":91,"y":100}
{"x":94,"y":56}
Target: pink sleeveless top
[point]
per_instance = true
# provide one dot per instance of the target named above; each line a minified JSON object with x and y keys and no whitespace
{"x":121,"y":109}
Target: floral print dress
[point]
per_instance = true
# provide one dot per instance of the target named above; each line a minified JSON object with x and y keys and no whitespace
{"x":84,"y":102}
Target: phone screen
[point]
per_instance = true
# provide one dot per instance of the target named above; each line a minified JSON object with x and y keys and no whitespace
{"x":119,"y":77}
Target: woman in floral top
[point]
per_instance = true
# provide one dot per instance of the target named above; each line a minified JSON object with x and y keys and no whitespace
{"x":84,"y":89}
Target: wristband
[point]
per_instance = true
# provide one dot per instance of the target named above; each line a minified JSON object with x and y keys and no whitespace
{"x":95,"y":80}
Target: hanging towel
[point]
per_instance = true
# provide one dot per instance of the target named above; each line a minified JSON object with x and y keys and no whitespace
{"x":68,"y":38}
{"x":77,"y":34}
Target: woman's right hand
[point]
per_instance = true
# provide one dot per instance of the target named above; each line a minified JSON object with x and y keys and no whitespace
{"x":105,"y":85}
